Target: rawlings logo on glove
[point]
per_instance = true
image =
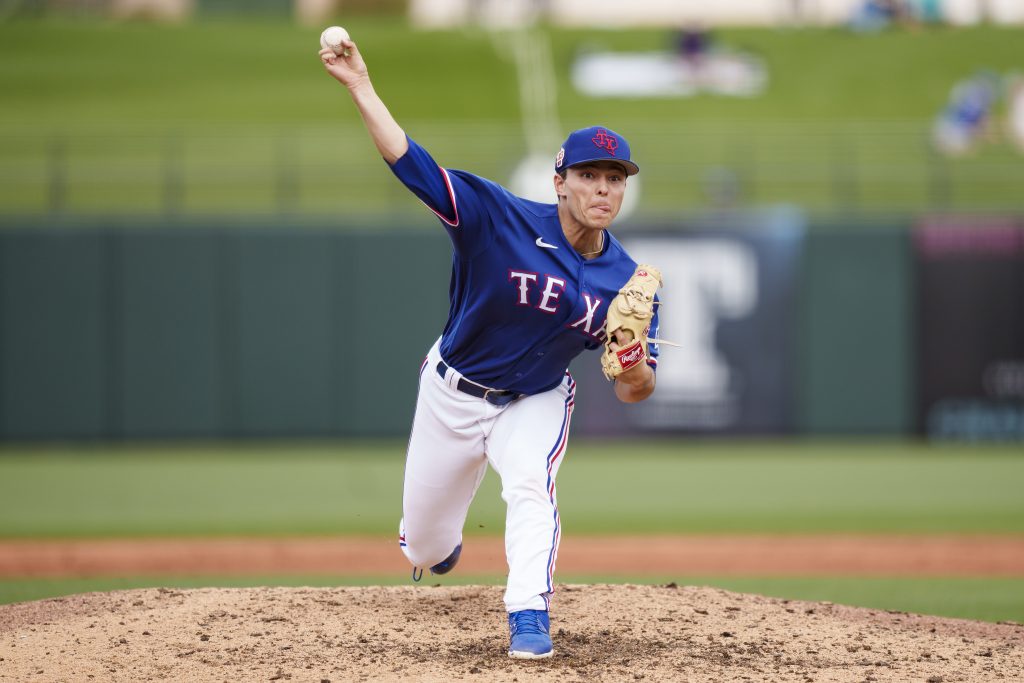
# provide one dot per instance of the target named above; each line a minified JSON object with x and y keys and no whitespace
{"x":630,"y":311}
{"x":631,"y":355}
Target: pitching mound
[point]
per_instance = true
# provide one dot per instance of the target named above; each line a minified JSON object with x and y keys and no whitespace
{"x":601,"y":632}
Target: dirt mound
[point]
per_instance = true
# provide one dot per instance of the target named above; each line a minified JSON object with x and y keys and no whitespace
{"x":602,"y":632}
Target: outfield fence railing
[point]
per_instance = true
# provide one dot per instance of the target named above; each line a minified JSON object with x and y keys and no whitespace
{"x":864,"y":168}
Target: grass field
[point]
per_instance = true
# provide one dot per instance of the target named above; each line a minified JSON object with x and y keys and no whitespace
{"x":672,"y":486}
{"x":219,"y":117}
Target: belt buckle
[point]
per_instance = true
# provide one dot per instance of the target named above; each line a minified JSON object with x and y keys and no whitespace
{"x":502,"y":397}
{"x":498,"y":395}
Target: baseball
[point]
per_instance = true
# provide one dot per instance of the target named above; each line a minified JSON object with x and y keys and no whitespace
{"x":332,"y":38}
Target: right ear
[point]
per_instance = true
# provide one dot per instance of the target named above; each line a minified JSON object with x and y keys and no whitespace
{"x":559,"y":185}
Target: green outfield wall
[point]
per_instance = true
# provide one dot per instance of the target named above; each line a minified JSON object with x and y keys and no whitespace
{"x":128,"y":332}
{"x":856,"y":332}
{"x":133,"y":331}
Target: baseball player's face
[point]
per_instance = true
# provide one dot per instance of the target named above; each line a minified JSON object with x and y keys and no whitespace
{"x":593,"y":192}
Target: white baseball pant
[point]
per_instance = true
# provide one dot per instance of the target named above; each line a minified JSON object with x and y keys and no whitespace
{"x":454,"y":436}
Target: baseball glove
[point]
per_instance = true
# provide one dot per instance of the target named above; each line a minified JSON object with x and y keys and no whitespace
{"x":631,"y":310}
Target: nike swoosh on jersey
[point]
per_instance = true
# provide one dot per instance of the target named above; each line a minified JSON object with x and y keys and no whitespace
{"x":542,"y":243}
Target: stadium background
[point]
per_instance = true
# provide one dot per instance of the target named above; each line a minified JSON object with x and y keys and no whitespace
{"x":187,"y":209}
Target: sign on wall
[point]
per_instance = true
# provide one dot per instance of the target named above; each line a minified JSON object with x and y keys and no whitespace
{"x":729,"y":301}
{"x":970,"y":274}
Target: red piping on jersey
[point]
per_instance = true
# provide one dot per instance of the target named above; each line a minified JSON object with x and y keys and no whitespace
{"x":451,"y":195}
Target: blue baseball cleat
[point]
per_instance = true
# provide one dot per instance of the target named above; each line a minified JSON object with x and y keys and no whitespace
{"x":448,"y":563}
{"x":442,"y":567}
{"x":530,"y":634}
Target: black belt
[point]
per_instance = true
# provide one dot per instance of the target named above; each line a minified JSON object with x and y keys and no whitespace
{"x":492,"y":396}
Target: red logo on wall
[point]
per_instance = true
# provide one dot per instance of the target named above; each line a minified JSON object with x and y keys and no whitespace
{"x":606,"y":141}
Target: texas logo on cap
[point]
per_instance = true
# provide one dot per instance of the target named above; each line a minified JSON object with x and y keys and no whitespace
{"x":606,"y":141}
{"x":597,"y":143}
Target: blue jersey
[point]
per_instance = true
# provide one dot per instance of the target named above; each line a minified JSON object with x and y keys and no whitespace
{"x":523,"y":302}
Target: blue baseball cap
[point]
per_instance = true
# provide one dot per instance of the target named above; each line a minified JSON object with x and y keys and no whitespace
{"x":596,"y":143}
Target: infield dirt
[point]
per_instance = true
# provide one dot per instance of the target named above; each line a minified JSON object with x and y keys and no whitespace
{"x":732,"y":555}
{"x":430,"y":633}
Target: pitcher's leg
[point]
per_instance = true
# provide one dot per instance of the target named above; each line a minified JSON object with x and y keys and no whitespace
{"x":444,"y":467}
{"x":526,"y":448}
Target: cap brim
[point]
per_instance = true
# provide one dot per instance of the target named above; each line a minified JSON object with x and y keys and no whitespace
{"x":631,"y":168}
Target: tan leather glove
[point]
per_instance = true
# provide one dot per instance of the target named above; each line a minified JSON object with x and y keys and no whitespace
{"x":631,"y":310}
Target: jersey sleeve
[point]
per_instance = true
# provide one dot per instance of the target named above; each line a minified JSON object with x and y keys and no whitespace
{"x":458,"y":199}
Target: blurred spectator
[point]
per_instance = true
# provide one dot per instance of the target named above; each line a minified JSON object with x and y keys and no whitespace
{"x":965,"y":119}
{"x":693,"y":64}
{"x":875,"y":15}
{"x":693,"y":43}
{"x":925,"y":11}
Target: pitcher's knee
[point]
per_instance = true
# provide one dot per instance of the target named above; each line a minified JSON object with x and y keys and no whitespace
{"x":426,"y":552}
{"x":427,"y":555}
{"x":416,"y":555}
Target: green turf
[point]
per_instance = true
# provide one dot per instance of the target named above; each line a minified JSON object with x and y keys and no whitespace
{"x":668,"y":486}
{"x":225,"y":116}
{"x":987,"y":599}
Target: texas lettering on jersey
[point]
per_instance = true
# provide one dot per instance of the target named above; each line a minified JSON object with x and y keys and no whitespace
{"x":522,"y":302}
{"x":551,"y":292}
{"x":586,"y":323}
{"x":553,"y":288}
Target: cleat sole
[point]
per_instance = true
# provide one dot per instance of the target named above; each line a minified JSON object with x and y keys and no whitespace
{"x":514,"y":654}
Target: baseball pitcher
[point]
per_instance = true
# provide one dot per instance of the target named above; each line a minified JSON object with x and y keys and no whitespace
{"x":532,"y":286}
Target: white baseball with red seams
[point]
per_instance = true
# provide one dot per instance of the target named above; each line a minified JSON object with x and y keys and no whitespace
{"x":332,"y":38}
